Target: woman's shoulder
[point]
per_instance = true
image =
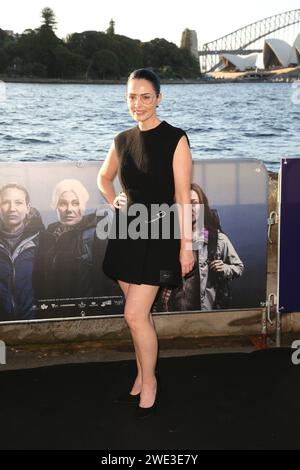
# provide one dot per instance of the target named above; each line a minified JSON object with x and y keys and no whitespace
{"x":222,"y":237}
{"x":224,"y":241}
{"x":175,"y":131}
{"x":53,"y":226}
{"x":124,"y":139}
{"x":126,"y":134}
{"x":173,"y":128}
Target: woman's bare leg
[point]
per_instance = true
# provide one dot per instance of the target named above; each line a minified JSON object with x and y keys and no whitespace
{"x":137,"y":386}
{"x":137,"y":313}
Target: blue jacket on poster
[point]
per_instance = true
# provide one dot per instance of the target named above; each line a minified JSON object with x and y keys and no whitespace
{"x":16,"y":272}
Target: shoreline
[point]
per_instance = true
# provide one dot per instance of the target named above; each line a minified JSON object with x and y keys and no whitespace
{"x":199,"y":81}
{"x":90,"y":82}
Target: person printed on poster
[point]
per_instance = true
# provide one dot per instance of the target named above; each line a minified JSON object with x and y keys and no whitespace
{"x":73,"y":256}
{"x":207,"y":286}
{"x":20,"y":227}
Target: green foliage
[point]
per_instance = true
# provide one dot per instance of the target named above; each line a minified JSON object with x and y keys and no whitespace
{"x":3,"y":36}
{"x":69,"y":64}
{"x":33,"y":70}
{"x":128,"y":52}
{"x":3,"y":60}
{"x":49,"y":18}
{"x":88,"y":43}
{"x":104,"y":64}
{"x":169,"y":60}
{"x":90,"y":55}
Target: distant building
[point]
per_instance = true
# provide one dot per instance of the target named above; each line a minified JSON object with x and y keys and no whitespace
{"x":278,"y":53}
{"x":297,"y":47}
{"x":239,"y":63}
{"x":189,"y":41}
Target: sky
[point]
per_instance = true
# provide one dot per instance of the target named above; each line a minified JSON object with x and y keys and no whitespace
{"x":143,"y":20}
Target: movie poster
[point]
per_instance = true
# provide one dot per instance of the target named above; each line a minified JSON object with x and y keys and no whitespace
{"x":230,"y":270}
{"x":289,"y":222}
{"x":51,"y":253}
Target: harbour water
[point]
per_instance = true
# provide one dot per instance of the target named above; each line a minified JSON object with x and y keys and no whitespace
{"x":78,"y":122}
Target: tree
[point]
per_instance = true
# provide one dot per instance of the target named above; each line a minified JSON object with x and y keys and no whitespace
{"x":6,"y":38}
{"x":128,"y":51}
{"x":88,"y":43}
{"x":68,"y":64}
{"x":91,"y":54}
{"x":37,"y":47}
{"x":167,"y":58}
{"x":3,"y":60}
{"x":111,"y":29}
{"x":104,"y":65}
{"x":48,"y":16}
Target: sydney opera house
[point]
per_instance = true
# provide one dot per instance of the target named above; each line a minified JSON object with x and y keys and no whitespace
{"x":276,"y":54}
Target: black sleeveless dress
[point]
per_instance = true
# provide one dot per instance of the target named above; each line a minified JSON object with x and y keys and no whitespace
{"x":146,"y":176}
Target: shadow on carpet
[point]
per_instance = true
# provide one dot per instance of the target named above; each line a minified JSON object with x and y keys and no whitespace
{"x":215,"y":401}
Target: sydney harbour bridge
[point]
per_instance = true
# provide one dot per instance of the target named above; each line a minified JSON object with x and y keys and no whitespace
{"x":249,"y":39}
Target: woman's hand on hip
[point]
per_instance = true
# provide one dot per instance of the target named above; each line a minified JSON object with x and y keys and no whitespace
{"x":120,"y":200}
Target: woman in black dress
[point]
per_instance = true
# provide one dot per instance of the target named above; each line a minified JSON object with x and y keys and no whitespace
{"x":154,"y":165}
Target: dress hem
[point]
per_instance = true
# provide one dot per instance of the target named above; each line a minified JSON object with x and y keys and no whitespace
{"x":147,"y":283}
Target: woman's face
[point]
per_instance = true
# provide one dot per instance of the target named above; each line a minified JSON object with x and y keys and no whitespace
{"x":69,"y":210}
{"x":13,"y":208}
{"x":142,"y":99}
